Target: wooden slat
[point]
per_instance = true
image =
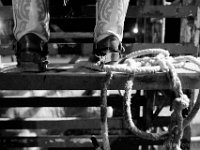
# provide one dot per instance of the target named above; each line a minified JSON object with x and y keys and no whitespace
{"x":74,"y":124}
{"x":92,"y":81}
{"x":60,"y":124}
{"x":71,"y":141}
{"x":71,"y":35}
{"x":83,"y":101}
{"x":173,"y":48}
{"x":79,"y":37}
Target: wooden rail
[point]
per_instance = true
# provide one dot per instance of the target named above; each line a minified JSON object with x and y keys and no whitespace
{"x":92,"y":81}
{"x":82,"y":101}
{"x":65,"y":124}
{"x":75,"y":142}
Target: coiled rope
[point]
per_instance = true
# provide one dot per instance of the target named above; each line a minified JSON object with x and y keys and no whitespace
{"x":159,"y":62}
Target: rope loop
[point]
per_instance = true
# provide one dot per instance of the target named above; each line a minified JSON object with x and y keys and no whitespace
{"x":158,"y":61}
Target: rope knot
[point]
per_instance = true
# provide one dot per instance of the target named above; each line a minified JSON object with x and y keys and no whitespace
{"x":161,"y":60}
{"x":181,"y":102}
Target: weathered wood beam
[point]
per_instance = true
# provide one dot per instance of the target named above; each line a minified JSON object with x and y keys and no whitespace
{"x":173,"y":48}
{"x":92,"y":81}
{"x":83,"y":101}
{"x":73,"y":124}
{"x":72,"y":141}
{"x":63,"y":124}
{"x":71,"y":35}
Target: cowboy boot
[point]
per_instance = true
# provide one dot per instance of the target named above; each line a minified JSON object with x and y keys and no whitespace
{"x":107,"y":51}
{"x":31,"y":52}
{"x":31,"y":31}
{"x":108,"y":32}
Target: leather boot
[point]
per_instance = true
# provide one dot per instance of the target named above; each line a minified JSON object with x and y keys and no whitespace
{"x":107,"y":51}
{"x":31,"y":52}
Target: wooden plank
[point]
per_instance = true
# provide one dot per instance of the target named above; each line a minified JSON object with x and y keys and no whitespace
{"x":92,"y":81}
{"x":71,"y":35}
{"x":72,"y":141}
{"x":83,"y":101}
{"x":63,"y":124}
{"x":173,"y":48}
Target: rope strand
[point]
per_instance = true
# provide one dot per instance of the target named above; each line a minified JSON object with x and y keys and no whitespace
{"x":132,"y":65}
{"x":104,"y":122}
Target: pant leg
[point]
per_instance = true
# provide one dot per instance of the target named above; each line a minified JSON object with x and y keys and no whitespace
{"x":110,"y":18}
{"x":31,"y":16}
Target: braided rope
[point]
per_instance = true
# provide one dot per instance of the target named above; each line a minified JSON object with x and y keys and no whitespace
{"x":176,"y":125}
{"x":162,"y":62}
{"x":128,"y":115}
{"x":104,"y":123}
{"x":141,"y":65}
{"x":181,"y":101}
{"x":147,"y":52}
{"x":188,"y":58}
